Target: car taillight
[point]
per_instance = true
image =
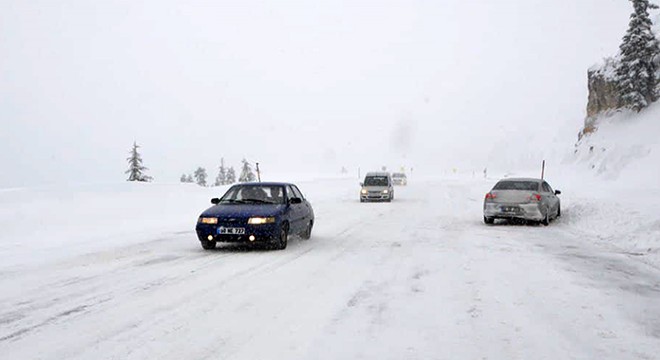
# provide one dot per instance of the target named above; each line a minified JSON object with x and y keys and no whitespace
{"x":490,"y":196}
{"x":535,"y":197}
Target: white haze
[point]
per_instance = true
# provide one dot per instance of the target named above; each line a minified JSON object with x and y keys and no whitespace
{"x":302,"y":86}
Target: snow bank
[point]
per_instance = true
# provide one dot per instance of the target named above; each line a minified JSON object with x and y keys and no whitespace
{"x":616,"y":171}
{"x":38,"y":224}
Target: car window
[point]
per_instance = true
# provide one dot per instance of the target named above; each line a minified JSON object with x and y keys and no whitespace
{"x":290,"y":194}
{"x":376,"y":181}
{"x":254,"y":194}
{"x":517,"y":185}
{"x":546,"y":187}
{"x":297,"y":192}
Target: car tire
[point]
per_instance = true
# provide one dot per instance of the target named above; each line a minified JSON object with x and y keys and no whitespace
{"x":208,"y":244}
{"x":307,"y":234}
{"x":546,"y":220}
{"x":489,"y":220}
{"x":283,"y":238}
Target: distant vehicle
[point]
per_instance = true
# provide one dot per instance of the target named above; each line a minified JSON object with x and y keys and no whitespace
{"x":525,"y":198}
{"x":399,"y":179}
{"x":377,"y":186}
{"x":256,"y":213}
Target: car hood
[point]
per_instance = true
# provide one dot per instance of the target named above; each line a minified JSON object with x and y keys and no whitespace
{"x":243,"y":210}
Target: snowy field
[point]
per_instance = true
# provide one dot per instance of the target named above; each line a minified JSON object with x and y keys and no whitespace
{"x":116,"y":272}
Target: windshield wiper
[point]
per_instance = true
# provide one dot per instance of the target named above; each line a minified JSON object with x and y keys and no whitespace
{"x":232,"y":201}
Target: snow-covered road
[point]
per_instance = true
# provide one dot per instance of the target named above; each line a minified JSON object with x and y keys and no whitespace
{"x":420,"y":278}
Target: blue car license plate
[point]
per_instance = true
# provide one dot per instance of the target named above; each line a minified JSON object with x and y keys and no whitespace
{"x":231,"y":231}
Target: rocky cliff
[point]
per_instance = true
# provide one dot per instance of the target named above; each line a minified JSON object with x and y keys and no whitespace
{"x":603,"y":97}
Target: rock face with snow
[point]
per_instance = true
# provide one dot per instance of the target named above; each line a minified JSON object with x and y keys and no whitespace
{"x":603,"y":94}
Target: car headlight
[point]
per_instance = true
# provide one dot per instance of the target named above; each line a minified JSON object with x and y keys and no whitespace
{"x":208,"y":220}
{"x":261,"y":220}
{"x":385,"y":191}
{"x":364,"y":191}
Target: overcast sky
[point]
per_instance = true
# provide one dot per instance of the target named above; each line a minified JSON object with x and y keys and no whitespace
{"x":299,"y":86}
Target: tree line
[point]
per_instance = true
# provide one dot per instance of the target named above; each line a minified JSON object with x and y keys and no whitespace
{"x":226,"y":175}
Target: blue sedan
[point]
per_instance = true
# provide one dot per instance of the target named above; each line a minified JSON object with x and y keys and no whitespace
{"x":256,"y":213}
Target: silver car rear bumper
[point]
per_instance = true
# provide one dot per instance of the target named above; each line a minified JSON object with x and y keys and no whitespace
{"x":513,"y":211}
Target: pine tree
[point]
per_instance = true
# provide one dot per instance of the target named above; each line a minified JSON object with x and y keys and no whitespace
{"x":221,"y":179}
{"x":200,"y":176}
{"x":189,"y":179}
{"x":135,"y":168}
{"x":231,"y":176}
{"x":184,"y":178}
{"x":247,"y":175}
{"x":636,"y":72}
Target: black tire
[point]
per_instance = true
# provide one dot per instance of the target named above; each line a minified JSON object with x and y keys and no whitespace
{"x":283,"y":238}
{"x":307,"y":234}
{"x":361,"y":200}
{"x":208,"y":244}
{"x":546,"y":221}
{"x":489,"y":220}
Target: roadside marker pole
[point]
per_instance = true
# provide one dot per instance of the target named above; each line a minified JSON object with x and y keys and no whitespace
{"x":258,"y":173}
{"x":543,"y":170}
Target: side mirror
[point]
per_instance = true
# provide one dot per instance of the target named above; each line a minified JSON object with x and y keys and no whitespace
{"x":215,"y":201}
{"x":294,"y":201}
{"x":361,"y":184}
{"x":557,"y":192}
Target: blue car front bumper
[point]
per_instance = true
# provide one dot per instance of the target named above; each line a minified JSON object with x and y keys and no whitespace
{"x":261,"y":233}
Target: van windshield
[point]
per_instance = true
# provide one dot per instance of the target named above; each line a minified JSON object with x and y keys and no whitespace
{"x":375,"y":181}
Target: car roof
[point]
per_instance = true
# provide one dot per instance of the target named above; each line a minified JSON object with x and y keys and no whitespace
{"x":522,"y":179}
{"x":263,"y":183}
{"x":378,"y":173}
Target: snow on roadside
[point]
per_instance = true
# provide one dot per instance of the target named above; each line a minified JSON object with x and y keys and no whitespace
{"x":42,"y":224}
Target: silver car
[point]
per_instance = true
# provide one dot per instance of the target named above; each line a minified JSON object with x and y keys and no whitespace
{"x":377,"y":186}
{"x":524,"y":198}
{"x":399,"y":179}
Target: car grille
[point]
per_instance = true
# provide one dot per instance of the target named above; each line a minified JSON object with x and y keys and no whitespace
{"x":232,"y":221}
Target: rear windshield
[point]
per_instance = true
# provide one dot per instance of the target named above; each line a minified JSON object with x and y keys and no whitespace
{"x":398,"y":175}
{"x":375,"y":181}
{"x":517,"y":185}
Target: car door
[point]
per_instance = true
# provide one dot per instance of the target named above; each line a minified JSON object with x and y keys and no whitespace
{"x":552,"y":199}
{"x":295,"y":211}
{"x":307,"y":214}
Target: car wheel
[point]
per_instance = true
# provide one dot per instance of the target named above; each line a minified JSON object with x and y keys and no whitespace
{"x":546,"y":220}
{"x":283,"y":238}
{"x":208,"y":244}
{"x":489,"y":220}
{"x":307,"y":234}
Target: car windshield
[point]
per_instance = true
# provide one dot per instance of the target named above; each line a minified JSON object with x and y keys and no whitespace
{"x":398,"y":175}
{"x":375,"y":181}
{"x":517,"y":185}
{"x":254,"y":194}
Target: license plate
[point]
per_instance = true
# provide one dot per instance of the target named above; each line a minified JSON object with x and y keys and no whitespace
{"x":231,"y":231}
{"x":509,"y":209}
